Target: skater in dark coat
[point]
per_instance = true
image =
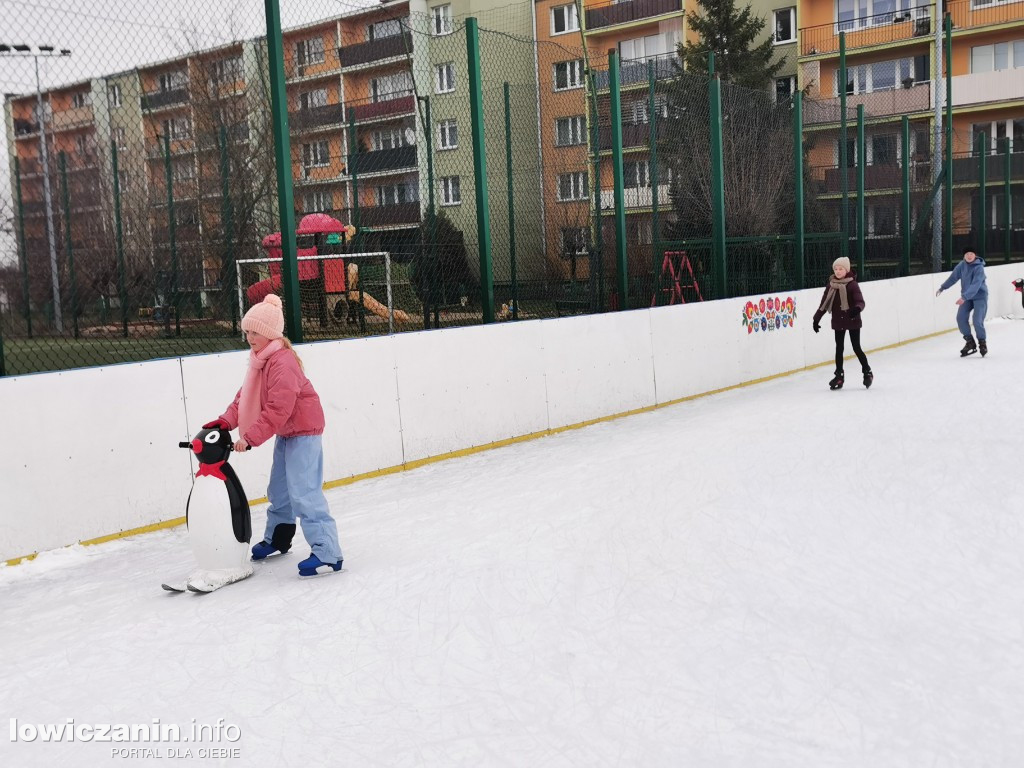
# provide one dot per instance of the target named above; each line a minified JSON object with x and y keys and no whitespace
{"x":843,"y":299}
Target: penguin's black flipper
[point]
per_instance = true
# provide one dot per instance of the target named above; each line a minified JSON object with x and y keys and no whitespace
{"x":241,"y":519}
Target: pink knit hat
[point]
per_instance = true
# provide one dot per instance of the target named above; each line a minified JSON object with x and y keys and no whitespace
{"x":265,"y":318}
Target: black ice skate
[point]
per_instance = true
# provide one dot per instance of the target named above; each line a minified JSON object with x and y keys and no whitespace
{"x":837,"y":381}
{"x":983,"y":347}
{"x":868,"y":378}
{"x":970,"y":347}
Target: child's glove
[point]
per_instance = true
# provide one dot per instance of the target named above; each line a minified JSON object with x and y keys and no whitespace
{"x":217,"y":424}
{"x":815,"y":326}
{"x":854,"y":311}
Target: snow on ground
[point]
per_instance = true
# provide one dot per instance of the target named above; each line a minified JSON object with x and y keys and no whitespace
{"x":778,"y":575}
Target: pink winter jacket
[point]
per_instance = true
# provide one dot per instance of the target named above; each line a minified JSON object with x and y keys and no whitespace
{"x":289,"y":405}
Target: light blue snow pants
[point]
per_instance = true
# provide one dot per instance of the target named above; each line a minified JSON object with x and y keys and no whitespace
{"x":296,"y":490}
{"x":980,"y":307}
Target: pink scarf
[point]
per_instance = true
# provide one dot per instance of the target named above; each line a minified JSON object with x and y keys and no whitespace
{"x":250,"y":402}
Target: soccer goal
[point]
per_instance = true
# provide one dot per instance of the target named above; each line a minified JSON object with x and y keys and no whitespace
{"x":322,"y":276}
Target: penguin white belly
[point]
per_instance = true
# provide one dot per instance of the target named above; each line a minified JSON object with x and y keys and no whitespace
{"x":210,"y":531}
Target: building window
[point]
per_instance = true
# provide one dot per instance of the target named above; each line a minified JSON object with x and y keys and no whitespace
{"x":310,"y":51}
{"x":227,"y":70}
{"x":997,"y":57}
{"x":391,"y":138}
{"x":178,"y":128}
{"x":183,"y":170}
{"x":881,"y":221}
{"x":315,"y":202}
{"x":564,"y":19}
{"x":442,"y":16}
{"x":397,"y":194}
{"x":81,"y":145}
{"x":858,"y":14}
{"x":114,"y":95}
{"x":785,"y":25}
{"x":172,"y":81}
{"x":573,"y":186}
{"x":568,"y":74}
{"x":885,"y":75}
{"x":316,"y":155}
{"x":120,"y":138}
{"x":575,"y":241}
{"x":80,"y":100}
{"x":884,"y":149}
{"x":636,"y":174}
{"x":447,"y":134}
{"x":569,"y":131}
{"x":642,"y":49}
{"x":390,"y":86}
{"x":383,"y":29}
{"x":445,"y":78}
{"x":313,"y":99}
{"x":450,"y":192}
{"x":785,"y":87}
{"x":996,"y":134}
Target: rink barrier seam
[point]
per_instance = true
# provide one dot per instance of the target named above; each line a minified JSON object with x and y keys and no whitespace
{"x":462,"y":452}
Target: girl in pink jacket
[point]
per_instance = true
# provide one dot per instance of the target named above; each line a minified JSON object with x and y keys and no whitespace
{"x":276,"y":398}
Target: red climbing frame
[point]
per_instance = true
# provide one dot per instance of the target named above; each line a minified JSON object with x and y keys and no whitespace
{"x":674,"y":267}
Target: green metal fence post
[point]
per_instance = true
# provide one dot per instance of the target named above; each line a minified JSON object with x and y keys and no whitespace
{"x":352,"y":166}
{"x":844,"y":171}
{"x":717,"y":189}
{"x":62,"y":161}
{"x":122,"y":290}
{"x":652,"y":117}
{"x":172,"y":237}
{"x":483,"y":205}
{"x":430,"y":292}
{"x":511,"y":204}
{"x":798,"y":174}
{"x":227,"y":220}
{"x":283,"y":165}
{"x":948,"y":249}
{"x":982,"y":191}
{"x":621,"y":274}
{"x":26,"y":295}
{"x":861,"y":213}
{"x":597,"y":252}
{"x":3,"y":364}
{"x":1007,"y":199}
{"x":905,"y":224}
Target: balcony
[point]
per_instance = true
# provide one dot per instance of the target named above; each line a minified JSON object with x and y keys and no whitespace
{"x":982,"y":87}
{"x":362,"y":54}
{"x":183,"y":146}
{"x":634,"y":71}
{"x":389,"y":215}
{"x":979,"y":14}
{"x":625,"y":12}
{"x":894,"y":102}
{"x":633,"y":135}
{"x":316,"y":117}
{"x":296,"y":69}
{"x":967,"y":170}
{"x":183,"y":233}
{"x":69,"y":119}
{"x":402,"y":158}
{"x":162,"y":99}
{"x":403,"y":105}
{"x":868,"y":31}
{"x":29,"y":167}
{"x":23,"y":127}
{"x":239,"y":132}
{"x":636,"y":197}
{"x":33,"y":208}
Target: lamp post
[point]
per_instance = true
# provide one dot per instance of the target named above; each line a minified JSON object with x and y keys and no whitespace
{"x":44,"y":158}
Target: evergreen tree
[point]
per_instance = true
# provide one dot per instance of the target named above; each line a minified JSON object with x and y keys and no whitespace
{"x":730,"y":33}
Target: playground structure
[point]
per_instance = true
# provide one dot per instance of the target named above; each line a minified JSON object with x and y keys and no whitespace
{"x":322,"y":254}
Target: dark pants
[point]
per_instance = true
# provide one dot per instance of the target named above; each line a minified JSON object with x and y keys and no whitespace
{"x":855,"y":342}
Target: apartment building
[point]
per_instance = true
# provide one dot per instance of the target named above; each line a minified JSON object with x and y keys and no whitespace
{"x":892,"y":60}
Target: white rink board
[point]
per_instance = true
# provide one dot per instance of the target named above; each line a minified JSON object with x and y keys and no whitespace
{"x":210,"y":383}
{"x":918,"y":307}
{"x":597,"y":365}
{"x":358,"y":388}
{"x":90,"y":452}
{"x":692,"y":351}
{"x":465,"y":387}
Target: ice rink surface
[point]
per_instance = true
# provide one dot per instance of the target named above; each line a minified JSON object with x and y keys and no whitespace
{"x":779,"y":575}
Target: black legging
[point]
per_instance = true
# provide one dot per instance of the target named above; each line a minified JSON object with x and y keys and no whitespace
{"x":855,"y":342}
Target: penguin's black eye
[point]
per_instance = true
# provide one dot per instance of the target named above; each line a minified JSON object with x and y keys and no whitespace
{"x":213,"y":437}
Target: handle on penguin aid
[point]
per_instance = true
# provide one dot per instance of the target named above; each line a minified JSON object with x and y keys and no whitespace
{"x":184,"y":445}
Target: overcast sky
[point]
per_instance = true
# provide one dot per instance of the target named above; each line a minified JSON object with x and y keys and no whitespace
{"x":108,"y":36}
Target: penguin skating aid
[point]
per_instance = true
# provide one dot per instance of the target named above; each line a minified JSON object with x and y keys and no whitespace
{"x":217,"y":517}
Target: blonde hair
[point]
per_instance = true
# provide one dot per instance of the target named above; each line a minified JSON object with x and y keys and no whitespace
{"x":288,"y":345}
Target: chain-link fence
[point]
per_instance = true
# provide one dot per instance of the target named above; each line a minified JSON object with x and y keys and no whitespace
{"x":442,"y":172}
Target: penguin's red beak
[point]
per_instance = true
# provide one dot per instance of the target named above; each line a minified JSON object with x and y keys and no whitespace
{"x":197,"y":445}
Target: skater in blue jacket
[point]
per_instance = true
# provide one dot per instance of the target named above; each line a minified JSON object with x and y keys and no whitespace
{"x":973,"y":296}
